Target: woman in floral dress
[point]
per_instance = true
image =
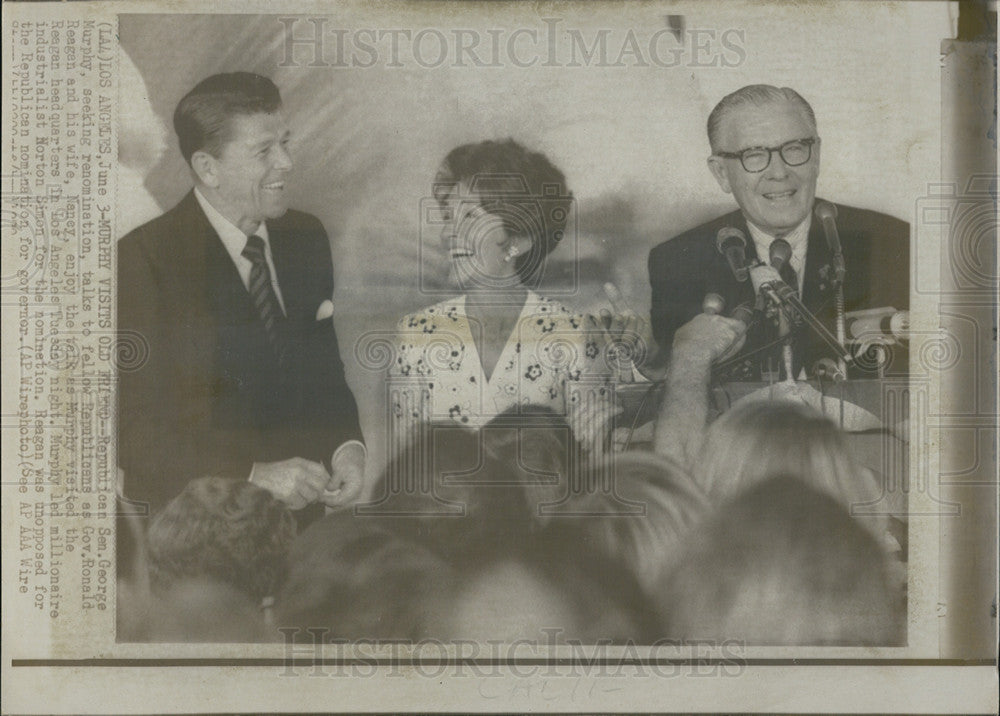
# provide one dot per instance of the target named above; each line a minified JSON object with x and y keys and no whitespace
{"x":499,"y":347}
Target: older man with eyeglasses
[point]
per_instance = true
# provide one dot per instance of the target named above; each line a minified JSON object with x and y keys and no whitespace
{"x":766,"y":153}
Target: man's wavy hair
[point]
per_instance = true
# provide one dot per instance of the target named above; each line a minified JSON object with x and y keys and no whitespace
{"x":759,"y":96}
{"x":522,"y":187}
{"x":203,"y":118}
{"x":225,"y":530}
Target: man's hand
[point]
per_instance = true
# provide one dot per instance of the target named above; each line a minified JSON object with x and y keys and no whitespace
{"x":348,"y":477}
{"x":297,"y":482}
{"x":592,"y":419}
{"x":707,"y":338}
{"x":697,"y":344}
{"x":624,"y":329}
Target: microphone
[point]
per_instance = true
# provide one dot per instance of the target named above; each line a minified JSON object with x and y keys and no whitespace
{"x":766,"y":281}
{"x":828,"y":368}
{"x":885,"y":325}
{"x":764,"y":276}
{"x":827,"y":214}
{"x":714,"y":304}
{"x":731,"y":243}
{"x":779,"y":254}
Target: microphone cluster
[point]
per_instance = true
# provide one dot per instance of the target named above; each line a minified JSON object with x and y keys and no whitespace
{"x":767,"y":282}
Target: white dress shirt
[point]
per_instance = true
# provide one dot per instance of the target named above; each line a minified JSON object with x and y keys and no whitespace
{"x":798,"y":239}
{"x":235,"y":241}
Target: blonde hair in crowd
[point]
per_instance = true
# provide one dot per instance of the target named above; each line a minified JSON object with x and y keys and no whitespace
{"x":758,"y":440}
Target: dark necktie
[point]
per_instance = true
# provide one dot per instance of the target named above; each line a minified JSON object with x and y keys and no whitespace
{"x":789,"y":276}
{"x":263,"y":295}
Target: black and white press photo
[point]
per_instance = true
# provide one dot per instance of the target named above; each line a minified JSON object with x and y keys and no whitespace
{"x":539,"y":355}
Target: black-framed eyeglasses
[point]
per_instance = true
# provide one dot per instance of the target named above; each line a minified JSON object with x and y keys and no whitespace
{"x":756,"y":159}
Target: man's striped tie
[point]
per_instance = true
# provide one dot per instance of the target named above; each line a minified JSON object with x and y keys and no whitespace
{"x":263,"y":295}
{"x":790,"y":276}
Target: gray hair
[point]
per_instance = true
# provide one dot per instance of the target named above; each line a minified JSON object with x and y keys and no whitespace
{"x":759,"y":95}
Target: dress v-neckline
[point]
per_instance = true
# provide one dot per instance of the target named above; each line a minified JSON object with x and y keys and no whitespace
{"x":529,"y":299}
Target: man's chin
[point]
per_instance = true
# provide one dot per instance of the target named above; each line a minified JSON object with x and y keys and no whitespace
{"x":782,"y":221}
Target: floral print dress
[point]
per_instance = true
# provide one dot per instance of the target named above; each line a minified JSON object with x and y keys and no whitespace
{"x":553,"y":358}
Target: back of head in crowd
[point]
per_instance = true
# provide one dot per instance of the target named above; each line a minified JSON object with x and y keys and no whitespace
{"x":756,"y":440}
{"x":522,"y":187}
{"x":561,"y":588}
{"x":475,"y":493}
{"x":644,"y":515}
{"x":213,"y":558}
{"x":473,"y":556}
{"x":225,"y":530}
{"x":782,"y":564}
{"x":203,"y":117}
{"x":357,"y":580}
{"x":353,"y":579}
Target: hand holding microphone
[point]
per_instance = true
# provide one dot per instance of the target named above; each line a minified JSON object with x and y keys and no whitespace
{"x":714,"y":304}
{"x":709,"y":337}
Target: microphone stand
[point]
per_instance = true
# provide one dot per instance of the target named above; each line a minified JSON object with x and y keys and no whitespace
{"x":827,"y":214}
{"x":838,"y":287}
{"x":781,"y":294}
{"x":785,"y":331}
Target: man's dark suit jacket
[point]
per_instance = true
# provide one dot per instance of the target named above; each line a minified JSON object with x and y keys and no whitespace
{"x":210,"y":397}
{"x":876,"y":251}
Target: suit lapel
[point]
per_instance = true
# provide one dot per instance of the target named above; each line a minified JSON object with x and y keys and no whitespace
{"x":203,"y":261}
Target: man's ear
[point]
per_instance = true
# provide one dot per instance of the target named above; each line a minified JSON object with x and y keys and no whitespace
{"x":717,"y":166}
{"x":205,"y":168}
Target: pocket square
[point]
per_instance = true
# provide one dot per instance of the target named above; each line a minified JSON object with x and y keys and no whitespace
{"x":324,"y":311}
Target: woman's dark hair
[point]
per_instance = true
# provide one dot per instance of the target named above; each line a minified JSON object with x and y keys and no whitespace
{"x":522,"y":187}
{"x":203,"y":118}
{"x":357,"y":579}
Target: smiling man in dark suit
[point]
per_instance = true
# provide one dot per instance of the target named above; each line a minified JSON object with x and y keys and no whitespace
{"x":766,"y":153}
{"x":231,"y":292}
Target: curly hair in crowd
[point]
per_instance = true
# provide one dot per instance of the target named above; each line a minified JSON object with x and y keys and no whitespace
{"x":471,"y":552}
{"x":224,"y":530}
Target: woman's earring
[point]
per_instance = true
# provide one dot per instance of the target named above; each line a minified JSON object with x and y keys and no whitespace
{"x":512,"y":253}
